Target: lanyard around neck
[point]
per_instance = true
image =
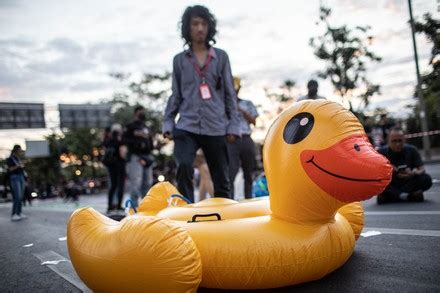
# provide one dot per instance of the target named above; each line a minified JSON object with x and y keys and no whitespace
{"x":201,"y":71}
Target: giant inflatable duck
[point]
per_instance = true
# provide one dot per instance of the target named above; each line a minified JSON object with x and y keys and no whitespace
{"x":317,"y":160}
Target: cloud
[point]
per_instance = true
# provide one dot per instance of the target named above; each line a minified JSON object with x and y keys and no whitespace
{"x":66,"y":46}
{"x":63,"y":66}
{"x":88,"y":86}
{"x":9,"y":3}
{"x":17,"y":42}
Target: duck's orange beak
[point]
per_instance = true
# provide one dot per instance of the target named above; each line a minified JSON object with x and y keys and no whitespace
{"x":350,"y":170}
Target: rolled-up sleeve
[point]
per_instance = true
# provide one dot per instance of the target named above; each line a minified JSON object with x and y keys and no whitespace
{"x":233,"y":126}
{"x":173,"y":103}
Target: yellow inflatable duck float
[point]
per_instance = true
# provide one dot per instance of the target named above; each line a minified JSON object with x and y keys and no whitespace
{"x":317,"y":160}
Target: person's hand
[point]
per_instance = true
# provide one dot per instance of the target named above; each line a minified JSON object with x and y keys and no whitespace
{"x":230,"y":138}
{"x":405,"y":174}
{"x":168,"y":135}
{"x":143,"y":163}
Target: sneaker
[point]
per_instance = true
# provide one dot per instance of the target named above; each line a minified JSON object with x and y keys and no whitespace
{"x":15,"y":218}
{"x":416,"y":196}
{"x":23,"y":216}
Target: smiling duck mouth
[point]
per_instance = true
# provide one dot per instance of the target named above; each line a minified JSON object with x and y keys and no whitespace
{"x":340,"y":176}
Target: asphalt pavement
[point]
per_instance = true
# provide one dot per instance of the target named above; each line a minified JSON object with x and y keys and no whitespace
{"x":399,"y":252}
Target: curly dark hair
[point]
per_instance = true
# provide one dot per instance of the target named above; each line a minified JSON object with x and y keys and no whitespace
{"x":198,"y":11}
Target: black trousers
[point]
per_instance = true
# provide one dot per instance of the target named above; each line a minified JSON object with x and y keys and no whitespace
{"x":186,"y":145}
{"x":242,"y":153}
{"x":117,"y":184}
{"x":397,"y":186}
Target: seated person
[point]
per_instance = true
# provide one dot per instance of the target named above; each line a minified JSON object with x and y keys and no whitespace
{"x":408,"y":171}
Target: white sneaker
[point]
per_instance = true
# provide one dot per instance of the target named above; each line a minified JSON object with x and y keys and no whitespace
{"x":15,"y":218}
{"x":23,"y":216}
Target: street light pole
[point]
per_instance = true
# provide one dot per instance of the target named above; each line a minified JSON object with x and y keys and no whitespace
{"x":424,"y":123}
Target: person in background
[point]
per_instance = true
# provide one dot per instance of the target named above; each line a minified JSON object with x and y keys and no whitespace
{"x":242,"y":151}
{"x":385,"y":124}
{"x":203,"y":95}
{"x":27,"y":195}
{"x":312,"y":91}
{"x":206,"y":189}
{"x":114,"y":159}
{"x":139,"y":141}
{"x":16,"y":181}
{"x":408,"y":171}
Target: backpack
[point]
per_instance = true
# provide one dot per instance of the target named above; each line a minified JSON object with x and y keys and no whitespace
{"x":111,"y":155}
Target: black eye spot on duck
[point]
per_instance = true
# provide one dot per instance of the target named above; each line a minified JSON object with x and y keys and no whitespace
{"x":298,"y":127}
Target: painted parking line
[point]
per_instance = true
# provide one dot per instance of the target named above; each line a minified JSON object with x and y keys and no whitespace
{"x":397,"y":213}
{"x":63,"y":267}
{"x":410,"y":232}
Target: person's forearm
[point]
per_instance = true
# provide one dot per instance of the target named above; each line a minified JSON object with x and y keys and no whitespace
{"x":13,"y":168}
{"x":248,"y":117}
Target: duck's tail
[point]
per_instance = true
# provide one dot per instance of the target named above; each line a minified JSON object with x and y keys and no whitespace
{"x":354,"y":213}
{"x":158,"y":198}
{"x":138,"y":254}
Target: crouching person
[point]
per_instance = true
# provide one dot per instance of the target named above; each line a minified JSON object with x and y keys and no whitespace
{"x":409,"y":175}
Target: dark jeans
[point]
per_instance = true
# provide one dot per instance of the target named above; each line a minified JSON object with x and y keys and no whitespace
{"x":397,"y":186}
{"x":117,"y":183}
{"x":186,"y":145}
{"x":242,"y":152}
{"x":17,"y":189}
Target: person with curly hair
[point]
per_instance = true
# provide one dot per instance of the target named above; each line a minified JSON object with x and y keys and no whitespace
{"x":203,"y":95}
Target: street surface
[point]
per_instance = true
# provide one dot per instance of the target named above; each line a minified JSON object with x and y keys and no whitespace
{"x":403,"y":256}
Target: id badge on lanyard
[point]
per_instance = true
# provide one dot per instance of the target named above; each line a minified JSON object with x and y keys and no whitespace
{"x":204,"y":90}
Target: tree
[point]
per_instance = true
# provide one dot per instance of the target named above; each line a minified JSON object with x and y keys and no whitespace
{"x":430,"y":82}
{"x":283,"y":94}
{"x":151,"y":91}
{"x":345,"y":53}
{"x":47,"y":170}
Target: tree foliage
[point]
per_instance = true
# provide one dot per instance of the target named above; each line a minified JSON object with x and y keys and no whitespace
{"x":345,"y":52}
{"x":284,"y":93}
{"x":150,"y":91}
{"x":46,"y":170}
{"x":430,"y":27}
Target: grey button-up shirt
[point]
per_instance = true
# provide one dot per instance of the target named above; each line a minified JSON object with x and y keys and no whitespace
{"x":247,"y":106}
{"x":215,"y":116}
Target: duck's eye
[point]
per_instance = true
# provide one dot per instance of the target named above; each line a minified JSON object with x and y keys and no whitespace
{"x":298,"y":127}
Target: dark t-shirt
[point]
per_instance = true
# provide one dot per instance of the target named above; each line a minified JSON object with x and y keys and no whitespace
{"x":137,"y":145}
{"x":409,"y":156}
{"x":13,"y":161}
{"x":112,"y":155}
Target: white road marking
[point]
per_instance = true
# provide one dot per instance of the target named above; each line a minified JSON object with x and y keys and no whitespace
{"x":370,"y":233}
{"x":63,"y":268}
{"x":411,"y":232}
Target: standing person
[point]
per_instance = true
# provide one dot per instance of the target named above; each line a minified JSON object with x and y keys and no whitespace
{"x":139,"y":141}
{"x":203,"y":95}
{"x":408,"y":171}
{"x":206,"y":188}
{"x":312,"y":91}
{"x":17,"y":181}
{"x":114,"y":160}
{"x":242,"y":151}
